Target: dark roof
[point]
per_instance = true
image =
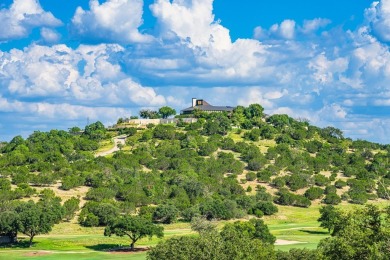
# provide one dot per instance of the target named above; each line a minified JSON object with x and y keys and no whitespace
{"x":207,"y":107}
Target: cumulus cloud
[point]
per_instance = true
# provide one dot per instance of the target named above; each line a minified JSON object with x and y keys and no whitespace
{"x":327,"y":75}
{"x":378,"y":15}
{"x":289,"y":29}
{"x":285,"y":30}
{"x":23,"y":16}
{"x":81,"y":76}
{"x":192,"y":21}
{"x":112,"y":21}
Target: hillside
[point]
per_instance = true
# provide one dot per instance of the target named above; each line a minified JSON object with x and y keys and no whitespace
{"x":221,"y":167}
{"x":211,"y":160}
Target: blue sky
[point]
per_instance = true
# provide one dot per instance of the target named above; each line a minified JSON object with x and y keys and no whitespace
{"x":63,"y":62}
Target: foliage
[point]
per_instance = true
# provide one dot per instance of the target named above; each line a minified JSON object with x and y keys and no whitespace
{"x":135,"y":227}
{"x":236,"y":241}
{"x":33,"y":220}
{"x":165,"y":112}
{"x":359,"y":234}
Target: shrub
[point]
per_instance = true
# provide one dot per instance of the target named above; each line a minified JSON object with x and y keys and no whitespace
{"x":165,"y":213}
{"x":264,"y":176}
{"x":332,"y":199}
{"x":339,"y":184}
{"x":250,"y":176}
{"x":267,"y":207}
{"x":314,"y":193}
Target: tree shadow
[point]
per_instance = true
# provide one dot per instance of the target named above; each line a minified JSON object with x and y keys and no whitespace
{"x":314,"y":232}
{"x":19,"y":244}
{"x":115,"y":248}
{"x":104,"y":247}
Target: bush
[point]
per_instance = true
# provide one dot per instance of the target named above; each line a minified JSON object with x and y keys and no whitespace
{"x":297,"y":181}
{"x":339,"y":184}
{"x":357,"y":197}
{"x":250,"y":176}
{"x":255,"y":164}
{"x":314,"y":193}
{"x":267,"y":207}
{"x":321,"y":180}
{"x":279,"y":182}
{"x":330,"y":189}
{"x":90,"y":221}
{"x":264,"y":176}
{"x":288,"y":198}
{"x":206,"y":149}
{"x":332,"y":199}
{"x":165,"y":213}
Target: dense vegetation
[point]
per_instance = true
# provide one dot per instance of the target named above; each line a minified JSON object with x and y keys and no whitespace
{"x":221,"y":167}
{"x":358,"y":234}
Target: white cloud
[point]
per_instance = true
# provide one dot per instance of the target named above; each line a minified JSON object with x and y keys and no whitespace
{"x":112,"y":21}
{"x":192,"y":21}
{"x":82,"y":76}
{"x":49,"y":35}
{"x":378,"y":15}
{"x":23,"y":16}
{"x":310,"y":26}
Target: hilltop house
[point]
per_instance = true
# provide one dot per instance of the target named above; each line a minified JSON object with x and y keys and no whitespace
{"x":200,"y":104}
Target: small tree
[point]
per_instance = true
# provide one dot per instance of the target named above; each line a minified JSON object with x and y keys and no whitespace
{"x":70,"y":208}
{"x":135,"y":227}
{"x":165,"y":112}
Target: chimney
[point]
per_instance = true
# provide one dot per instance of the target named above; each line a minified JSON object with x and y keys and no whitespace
{"x":193,"y":102}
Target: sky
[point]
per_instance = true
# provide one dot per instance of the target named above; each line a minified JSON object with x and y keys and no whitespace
{"x":66,"y":63}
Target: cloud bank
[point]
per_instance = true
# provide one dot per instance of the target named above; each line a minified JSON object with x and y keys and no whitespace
{"x":312,"y":69}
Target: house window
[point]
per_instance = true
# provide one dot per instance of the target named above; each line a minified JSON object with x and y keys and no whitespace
{"x":199,"y":102}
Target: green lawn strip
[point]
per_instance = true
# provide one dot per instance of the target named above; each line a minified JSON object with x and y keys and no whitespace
{"x":55,"y":255}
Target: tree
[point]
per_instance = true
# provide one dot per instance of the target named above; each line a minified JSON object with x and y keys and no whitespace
{"x":165,"y":213}
{"x":362,"y":233}
{"x":254,"y":110}
{"x":95,"y":131}
{"x":135,"y":227}
{"x":9,"y":224}
{"x":328,"y":218}
{"x":165,"y":112}
{"x":70,"y":208}
{"x":147,"y":113}
{"x":33,"y":220}
{"x":202,"y":225}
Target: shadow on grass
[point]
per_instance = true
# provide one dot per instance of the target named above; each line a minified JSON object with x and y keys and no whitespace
{"x":19,"y":244}
{"x":314,"y":232}
{"x":115,"y":248}
{"x":104,"y":247}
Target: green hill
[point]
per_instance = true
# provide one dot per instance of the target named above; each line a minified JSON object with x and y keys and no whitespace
{"x":222,"y":167}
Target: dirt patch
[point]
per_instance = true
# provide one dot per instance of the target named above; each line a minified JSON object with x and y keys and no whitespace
{"x":128,"y":250}
{"x":37,"y":253}
{"x":281,"y":242}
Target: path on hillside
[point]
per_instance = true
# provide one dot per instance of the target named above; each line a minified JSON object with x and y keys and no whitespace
{"x":117,"y":140}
